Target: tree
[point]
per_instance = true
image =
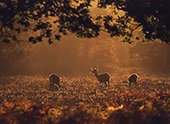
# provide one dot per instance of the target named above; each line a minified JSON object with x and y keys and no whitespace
{"x":50,"y":19}
{"x":8,"y":58}
{"x":152,"y":15}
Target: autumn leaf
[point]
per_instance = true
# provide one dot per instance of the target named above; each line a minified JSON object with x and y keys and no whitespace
{"x":111,"y":108}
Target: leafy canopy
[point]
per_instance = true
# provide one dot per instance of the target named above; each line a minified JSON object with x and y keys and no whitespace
{"x":51,"y":19}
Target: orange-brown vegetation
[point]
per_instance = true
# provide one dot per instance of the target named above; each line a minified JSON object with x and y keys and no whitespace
{"x":29,"y":100}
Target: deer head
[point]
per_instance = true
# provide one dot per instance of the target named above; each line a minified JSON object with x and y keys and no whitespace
{"x":94,"y":70}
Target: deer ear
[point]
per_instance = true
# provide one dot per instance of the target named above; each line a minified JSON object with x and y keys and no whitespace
{"x":97,"y":69}
{"x":92,"y":69}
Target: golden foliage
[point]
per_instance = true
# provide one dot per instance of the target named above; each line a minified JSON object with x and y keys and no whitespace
{"x":82,"y":100}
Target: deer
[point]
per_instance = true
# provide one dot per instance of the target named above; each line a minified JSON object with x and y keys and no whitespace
{"x":54,"y":80}
{"x":132,"y":79}
{"x":102,"y":78}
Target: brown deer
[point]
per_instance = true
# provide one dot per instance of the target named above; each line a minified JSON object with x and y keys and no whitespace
{"x":54,"y":80}
{"x":133,"y":78}
{"x":102,"y":78}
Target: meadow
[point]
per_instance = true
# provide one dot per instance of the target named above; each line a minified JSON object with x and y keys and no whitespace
{"x":28,"y":99}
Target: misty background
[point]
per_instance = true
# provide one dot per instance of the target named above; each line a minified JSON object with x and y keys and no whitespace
{"x":74,"y":56}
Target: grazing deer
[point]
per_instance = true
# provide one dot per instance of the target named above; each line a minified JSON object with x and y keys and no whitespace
{"x":54,"y":80}
{"x":133,"y":78}
{"x":102,"y":78}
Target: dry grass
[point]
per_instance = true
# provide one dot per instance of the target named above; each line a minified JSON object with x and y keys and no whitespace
{"x":29,"y":99}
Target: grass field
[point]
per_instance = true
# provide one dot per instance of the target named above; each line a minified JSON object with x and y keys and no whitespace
{"x":82,"y":100}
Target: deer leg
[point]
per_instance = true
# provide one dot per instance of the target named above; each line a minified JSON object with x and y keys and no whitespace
{"x":108,"y":83}
{"x":105,"y":83}
{"x":100,"y":83}
{"x":59,"y":85}
{"x":51,"y":83}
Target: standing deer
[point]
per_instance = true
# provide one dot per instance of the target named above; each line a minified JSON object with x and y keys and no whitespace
{"x":133,"y":78}
{"x":102,"y":78}
{"x":54,"y":80}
